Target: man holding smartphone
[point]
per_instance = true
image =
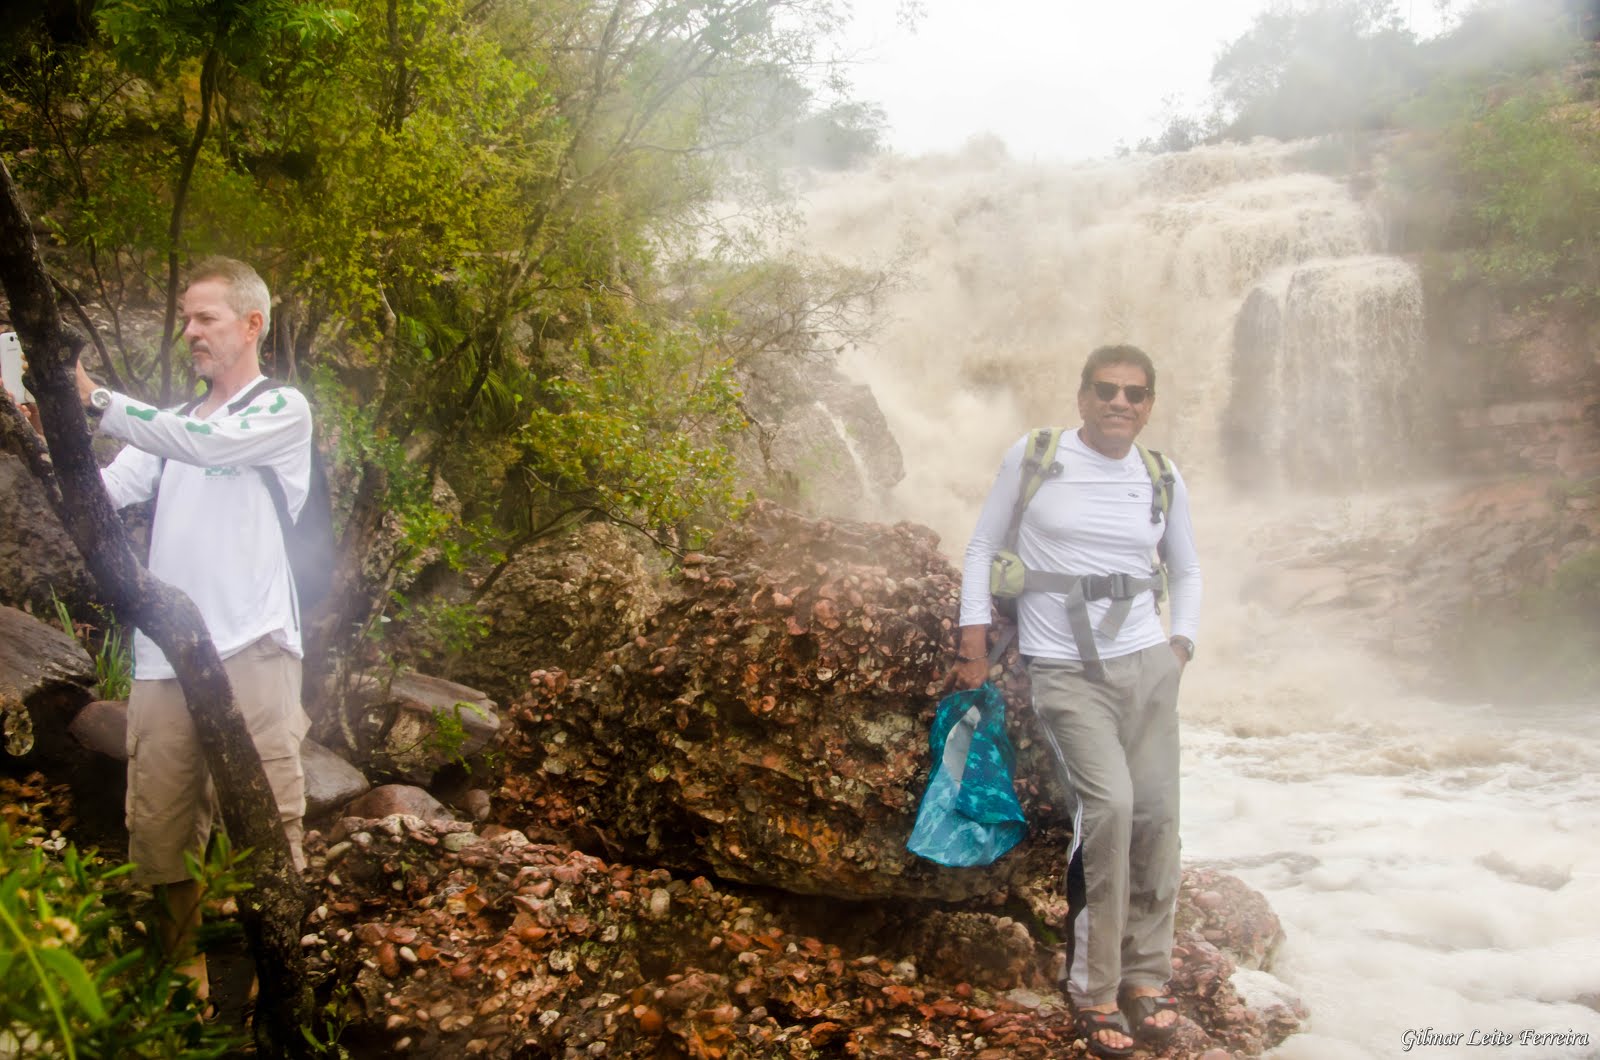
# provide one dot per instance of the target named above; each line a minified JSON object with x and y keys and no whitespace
{"x":216,"y":536}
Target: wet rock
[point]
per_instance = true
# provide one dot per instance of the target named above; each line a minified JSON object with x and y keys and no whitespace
{"x":818,"y":442}
{"x":560,"y":605}
{"x":45,"y":679}
{"x":38,"y":561}
{"x":1230,"y":915}
{"x":418,"y":724}
{"x":1280,"y":1009}
{"x":330,"y":780}
{"x":771,"y":723}
{"x":476,"y":804}
{"x":102,"y":727}
{"x":387,"y":800}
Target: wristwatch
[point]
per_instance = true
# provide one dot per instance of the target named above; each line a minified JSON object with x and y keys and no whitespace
{"x":1185,"y":643}
{"x":99,"y":400}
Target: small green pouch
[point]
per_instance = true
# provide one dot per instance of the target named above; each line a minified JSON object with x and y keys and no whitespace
{"x":1006,"y":575}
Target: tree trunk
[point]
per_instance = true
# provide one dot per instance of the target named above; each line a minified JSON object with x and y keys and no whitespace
{"x":274,"y":907}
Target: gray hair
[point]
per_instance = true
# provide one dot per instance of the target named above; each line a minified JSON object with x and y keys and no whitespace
{"x":247,"y":291}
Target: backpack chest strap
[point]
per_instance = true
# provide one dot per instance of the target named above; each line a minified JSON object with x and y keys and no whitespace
{"x":1120,"y":589}
{"x":1094,"y":586}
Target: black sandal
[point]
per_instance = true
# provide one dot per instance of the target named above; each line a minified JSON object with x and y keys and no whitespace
{"x":1141,"y":1009}
{"x":1089,"y":1023}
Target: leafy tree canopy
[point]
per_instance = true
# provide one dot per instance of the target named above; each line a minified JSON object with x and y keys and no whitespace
{"x":480,"y":222}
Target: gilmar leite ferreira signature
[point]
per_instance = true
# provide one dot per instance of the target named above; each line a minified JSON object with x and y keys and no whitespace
{"x":1424,"y":1037}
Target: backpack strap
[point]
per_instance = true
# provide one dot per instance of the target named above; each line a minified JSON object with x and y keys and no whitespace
{"x":1161,"y":481}
{"x":239,"y":404}
{"x":269,"y":478}
{"x":1080,"y":589}
{"x":1037,"y":464}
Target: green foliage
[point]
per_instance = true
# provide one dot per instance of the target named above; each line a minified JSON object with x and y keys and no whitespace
{"x":1499,"y":178}
{"x":634,"y":430}
{"x":157,"y":36}
{"x":1327,"y":66}
{"x":72,"y":981}
{"x":1575,"y":588}
{"x":449,"y":735}
{"x":1541,"y":647}
{"x":843,"y":135}
{"x":113,"y":658}
{"x":1523,"y":181}
{"x":335,"y":1012}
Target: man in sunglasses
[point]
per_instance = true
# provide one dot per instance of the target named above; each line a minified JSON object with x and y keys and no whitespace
{"x":1105,"y":680}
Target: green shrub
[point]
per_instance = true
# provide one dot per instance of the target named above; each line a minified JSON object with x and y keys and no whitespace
{"x":113,"y":658}
{"x":74,"y":979}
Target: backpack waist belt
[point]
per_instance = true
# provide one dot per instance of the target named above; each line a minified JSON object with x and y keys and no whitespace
{"x":1120,"y":589}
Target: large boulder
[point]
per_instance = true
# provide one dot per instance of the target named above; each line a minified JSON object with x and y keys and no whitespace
{"x":819,"y":442}
{"x":38,"y":561}
{"x":771,"y":724}
{"x":331,"y":782}
{"x":559,"y":606}
{"x":45,"y":679}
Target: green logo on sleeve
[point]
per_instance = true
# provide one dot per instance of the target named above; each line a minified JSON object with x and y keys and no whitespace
{"x":146,"y":414}
{"x":196,"y":428}
{"x":278,"y":406}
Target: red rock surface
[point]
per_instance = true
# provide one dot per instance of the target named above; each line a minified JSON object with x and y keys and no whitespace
{"x":460,"y":944}
{"x":770,"y":726}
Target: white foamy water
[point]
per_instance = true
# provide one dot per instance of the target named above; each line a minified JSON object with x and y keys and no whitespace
{"x":1435,"y":865}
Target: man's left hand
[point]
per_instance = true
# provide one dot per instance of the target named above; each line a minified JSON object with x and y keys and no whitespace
{"x":1180,"y":651}
{"x":86,"y":386}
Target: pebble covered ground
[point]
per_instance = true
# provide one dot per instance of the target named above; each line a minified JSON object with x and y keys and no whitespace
{"x":457,"y":943}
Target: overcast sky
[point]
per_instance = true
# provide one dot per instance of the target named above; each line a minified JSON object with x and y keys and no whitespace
{"x":1054,"y":79}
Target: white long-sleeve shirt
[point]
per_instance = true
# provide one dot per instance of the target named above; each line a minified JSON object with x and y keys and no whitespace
{"x":1092,"y":518}
{"x":216,"y":534}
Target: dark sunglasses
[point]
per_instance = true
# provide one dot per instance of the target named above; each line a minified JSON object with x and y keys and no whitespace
{"x":1108,"y":392}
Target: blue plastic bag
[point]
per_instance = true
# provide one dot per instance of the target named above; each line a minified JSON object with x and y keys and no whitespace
{"x":969,"y":813}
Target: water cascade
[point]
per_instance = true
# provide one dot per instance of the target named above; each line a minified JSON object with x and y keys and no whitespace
{"x":1328,"y":381}
{"x":1014,"y":272}
{"x":842,"y":429}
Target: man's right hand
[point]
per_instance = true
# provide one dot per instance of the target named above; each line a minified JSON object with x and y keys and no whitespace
{"x":973,"y":643}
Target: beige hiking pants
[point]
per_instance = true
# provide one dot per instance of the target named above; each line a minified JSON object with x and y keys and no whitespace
{"x":1117,"y":746}
{"x":171,"y":801}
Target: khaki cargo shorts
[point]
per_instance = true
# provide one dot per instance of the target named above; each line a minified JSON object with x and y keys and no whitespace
{"x":171,"y":801}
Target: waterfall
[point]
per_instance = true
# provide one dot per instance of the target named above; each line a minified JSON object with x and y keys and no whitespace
{"x":1015,"y":272}
{"x":863,"y":473}
{"x":1328,"y":384}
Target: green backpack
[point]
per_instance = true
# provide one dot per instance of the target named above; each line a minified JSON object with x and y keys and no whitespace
{"x":1008,"y":578}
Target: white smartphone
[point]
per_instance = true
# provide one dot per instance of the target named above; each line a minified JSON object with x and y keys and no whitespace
{"x":11,"y":367}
